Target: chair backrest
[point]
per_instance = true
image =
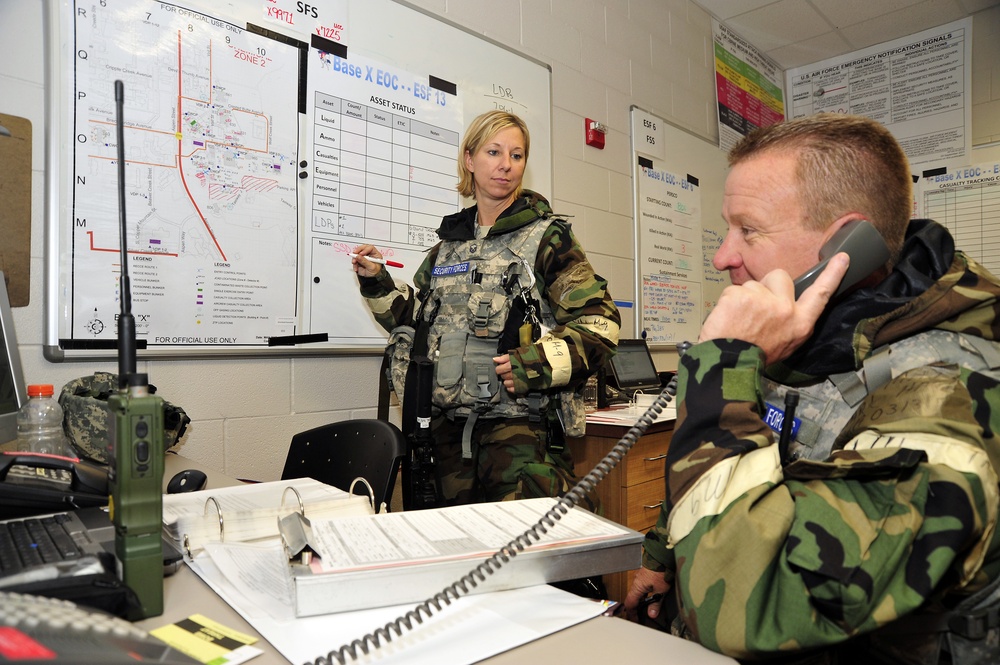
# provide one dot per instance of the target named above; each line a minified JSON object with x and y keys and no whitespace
{"x":338,"y":453}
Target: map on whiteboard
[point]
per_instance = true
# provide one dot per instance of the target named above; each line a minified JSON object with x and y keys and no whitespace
{"x":211,"y":135}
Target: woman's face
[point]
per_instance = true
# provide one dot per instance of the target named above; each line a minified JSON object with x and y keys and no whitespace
{"x":497,"y":167}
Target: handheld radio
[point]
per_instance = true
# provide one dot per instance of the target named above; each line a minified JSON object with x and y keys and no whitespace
{"x":135,"y":476}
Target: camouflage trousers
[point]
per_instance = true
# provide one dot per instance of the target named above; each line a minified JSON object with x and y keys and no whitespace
{"x":510,"y":460}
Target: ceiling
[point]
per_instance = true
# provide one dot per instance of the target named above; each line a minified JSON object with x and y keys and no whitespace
{"x":801,"y":32}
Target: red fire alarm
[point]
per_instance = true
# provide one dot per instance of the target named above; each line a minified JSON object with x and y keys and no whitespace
{"x":595,"y":132}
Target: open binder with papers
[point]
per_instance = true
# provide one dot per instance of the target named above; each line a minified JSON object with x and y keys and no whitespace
{"x":247,"y":513}
{"x":370,"y":561}
{"x":396,"y":558}
{"x":360,"y":560}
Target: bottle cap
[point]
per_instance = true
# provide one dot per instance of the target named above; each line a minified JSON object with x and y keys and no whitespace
{"x":40,"y":390}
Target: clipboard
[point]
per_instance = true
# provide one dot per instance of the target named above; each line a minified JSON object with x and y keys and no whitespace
{"x":15,"y":213}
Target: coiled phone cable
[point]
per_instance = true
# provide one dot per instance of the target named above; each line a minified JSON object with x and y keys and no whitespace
{"x":465,"y":584}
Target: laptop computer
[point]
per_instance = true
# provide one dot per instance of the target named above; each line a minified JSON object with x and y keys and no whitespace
{"x":40,"y":549}
{"x":631,"y":368}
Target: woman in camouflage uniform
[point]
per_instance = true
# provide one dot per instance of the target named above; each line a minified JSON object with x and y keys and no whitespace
{"x":504,"y":266}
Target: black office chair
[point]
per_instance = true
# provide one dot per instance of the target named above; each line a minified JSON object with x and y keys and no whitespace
{"x":338,"y":453}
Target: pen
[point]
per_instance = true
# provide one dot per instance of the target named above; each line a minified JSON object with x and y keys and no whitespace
{"x":391,"y":264}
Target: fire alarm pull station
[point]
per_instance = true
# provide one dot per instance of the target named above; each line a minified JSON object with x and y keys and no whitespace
{"x":595,"y":132}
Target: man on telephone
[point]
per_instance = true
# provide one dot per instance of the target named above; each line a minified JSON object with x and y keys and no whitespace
{"x":832,"y":490}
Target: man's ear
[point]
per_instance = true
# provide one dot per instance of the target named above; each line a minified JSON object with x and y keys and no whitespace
{"x":838,"y":223}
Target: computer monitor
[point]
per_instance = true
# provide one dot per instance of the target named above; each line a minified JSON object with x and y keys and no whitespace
{"x":12,"y":389}
{"x":632,"y":368}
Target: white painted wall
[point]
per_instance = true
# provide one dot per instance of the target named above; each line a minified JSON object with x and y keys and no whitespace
{"x":605,"y":56}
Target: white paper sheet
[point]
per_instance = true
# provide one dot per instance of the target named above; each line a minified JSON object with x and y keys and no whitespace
{"x":470,"y":629}
{"x":469,"y":532}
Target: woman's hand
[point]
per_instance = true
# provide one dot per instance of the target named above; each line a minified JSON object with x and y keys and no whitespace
{"x":505,"y":371}
{"x":363,"y":266}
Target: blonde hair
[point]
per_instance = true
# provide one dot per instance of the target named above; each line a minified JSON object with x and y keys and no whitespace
{"x":480,"y":130}
{"x":845,"y":163}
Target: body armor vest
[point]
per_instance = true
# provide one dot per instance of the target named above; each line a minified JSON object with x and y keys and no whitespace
{"x":473,"y":286}
{"x":826,"y":406}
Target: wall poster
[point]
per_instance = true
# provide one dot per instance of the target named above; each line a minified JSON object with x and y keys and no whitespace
{"x":920,"y":87}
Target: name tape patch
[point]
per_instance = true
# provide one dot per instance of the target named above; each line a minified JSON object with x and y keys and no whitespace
{"x":775,"y":418}
{"x":456,"y":269}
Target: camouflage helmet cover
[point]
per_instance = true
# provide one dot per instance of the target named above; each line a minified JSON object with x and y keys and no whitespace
{"x":85,"y":415}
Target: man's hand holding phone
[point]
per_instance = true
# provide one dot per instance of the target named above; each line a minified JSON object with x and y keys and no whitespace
{"x":766,"y":313}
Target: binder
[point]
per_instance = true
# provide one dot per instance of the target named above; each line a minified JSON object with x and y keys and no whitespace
{"x":251,"y":512}
{"x":397,"y":558}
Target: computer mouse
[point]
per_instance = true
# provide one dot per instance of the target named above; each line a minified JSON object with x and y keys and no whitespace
{"x":188,"y":480}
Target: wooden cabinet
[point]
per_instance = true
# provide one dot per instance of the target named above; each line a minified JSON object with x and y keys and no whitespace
{"x":632,"y":492}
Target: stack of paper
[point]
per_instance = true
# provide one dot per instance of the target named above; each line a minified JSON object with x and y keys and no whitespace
{"x":628,"y":415}
{"x":251,"y":512}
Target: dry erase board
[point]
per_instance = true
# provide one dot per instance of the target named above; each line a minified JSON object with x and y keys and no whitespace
{"x":263,"y":141}
{"x":679,"y":179}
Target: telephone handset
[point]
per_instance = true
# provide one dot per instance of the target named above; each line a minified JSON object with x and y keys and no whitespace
{"x":35,"y":483}
{"x":862,"y":242}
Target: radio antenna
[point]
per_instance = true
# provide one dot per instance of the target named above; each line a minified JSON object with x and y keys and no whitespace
{"x":126,"y":322}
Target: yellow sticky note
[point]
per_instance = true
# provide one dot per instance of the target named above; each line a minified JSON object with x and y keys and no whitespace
{"x":208,"y":641}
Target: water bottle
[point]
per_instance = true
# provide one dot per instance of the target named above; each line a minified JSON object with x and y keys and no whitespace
{"x":40,"y":423}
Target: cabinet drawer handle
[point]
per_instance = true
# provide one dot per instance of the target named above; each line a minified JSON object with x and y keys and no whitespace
{"x":653,"y":459}
{"x":653,"y":505}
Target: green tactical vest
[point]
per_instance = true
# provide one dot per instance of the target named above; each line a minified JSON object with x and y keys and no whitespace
{"x":826,"y":407}
{"x":466,"y":310}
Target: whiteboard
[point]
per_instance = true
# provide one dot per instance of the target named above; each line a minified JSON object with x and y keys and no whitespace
{"x":679,"y":179}
{"x":263,"y":142}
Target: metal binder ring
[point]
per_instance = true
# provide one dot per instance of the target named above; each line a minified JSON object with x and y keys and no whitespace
{"x":218,"y":510}
{"x":298,"y":497}
{"x":371,"y":492}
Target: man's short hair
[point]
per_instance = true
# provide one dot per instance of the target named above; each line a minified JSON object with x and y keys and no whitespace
{"x":846,"y":163}
{"x":482,"y":129}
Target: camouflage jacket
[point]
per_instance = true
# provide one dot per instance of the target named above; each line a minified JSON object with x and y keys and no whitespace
{"x":587,"y":320}
{"x":769,"y":559}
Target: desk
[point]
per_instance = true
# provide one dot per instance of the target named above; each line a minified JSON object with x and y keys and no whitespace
{"x":632,"y":492}
{"x":602,"y":639}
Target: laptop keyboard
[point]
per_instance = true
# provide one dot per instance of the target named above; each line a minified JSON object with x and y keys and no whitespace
{"x":39,"y":548}
{"x":35,"y":541}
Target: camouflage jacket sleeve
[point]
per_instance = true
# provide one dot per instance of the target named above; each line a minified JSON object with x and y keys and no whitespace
{"x":588,"y":321}
{"x":396,"y":305}
{"x":771,"y":559}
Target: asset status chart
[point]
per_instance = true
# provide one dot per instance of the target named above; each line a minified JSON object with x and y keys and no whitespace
{"x":380,"y":176}
{"x":382,"y":171}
